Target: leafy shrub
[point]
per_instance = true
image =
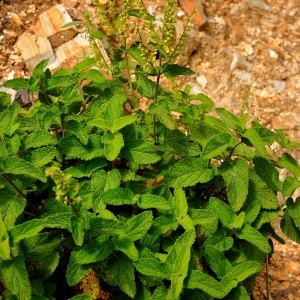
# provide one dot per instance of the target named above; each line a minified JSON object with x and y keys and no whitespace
{"x":99,"y":198}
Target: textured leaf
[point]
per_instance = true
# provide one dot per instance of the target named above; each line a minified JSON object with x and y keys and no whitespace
{"x":289,"y":227}
{"x":188,"y":172}
{"x":100,"y":226}
{"x":112,"y":145}
{"x":146,"y":87}
{"x":222,"y":211}
{"x":86,"y":168}
{"x":147,"y":201}
{"x":177,"y":262}
{"x":75,"y":272}
{"x":144,"y":153}
{"x":4,"y":241}
{"x":288,"y":162}
{"x":17,"y":83}
{"x":266,"y":216}
{"x":34,"y":226}
{"x":19,"y":166}
{"x":48,"y":265}
{"x":122,"y":274}
{"x":244,"y":270}
{"x":42,"y":156}
{"x":218,"y":145}
{"x":16,"y":278}
{"x":173,"y":70}
{"x":268,"y":173}
{"x":261,"y":194}
{"x":256,"y":141}
{"x":72,"y":148}
{"x":39,"y":138}
{"x":254,"y":237}
{"x":95,"y":251}
{"x":217,"y":261}
{"x":121,"y":122}
{"x":79,"y":130}
{"x":203,"y":216}
{"x":138,"y":225}
{"x":152,"y":267}
{"x":127,"y":247}
{"x":236,"y":176}
{"x":9,"y":122}
{"x":293,"y":207}
{"x":206,"y":283}
{"x":239,"y":293}
{"x":77,"y":230}
{"x":11,"y":207}
{"x":229,"y":119}
{"x":120,"y":196}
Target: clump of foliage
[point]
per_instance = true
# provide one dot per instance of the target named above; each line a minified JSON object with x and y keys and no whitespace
{"x":101,"y":199}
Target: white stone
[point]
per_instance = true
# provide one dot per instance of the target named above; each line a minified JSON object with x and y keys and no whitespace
{"x":242,"y":75}
{"x":259,"y":4}
{"x":180,"y":14}
{"x":273,"y":54}
{"x":202,"y":81}
{"x":279,"y":85}
{"x":195,"y":89}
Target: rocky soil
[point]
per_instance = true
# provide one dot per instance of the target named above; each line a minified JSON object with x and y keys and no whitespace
{"x":246,"y":57}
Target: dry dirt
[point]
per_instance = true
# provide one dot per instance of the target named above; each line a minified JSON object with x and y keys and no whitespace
{"x":246,"y":56}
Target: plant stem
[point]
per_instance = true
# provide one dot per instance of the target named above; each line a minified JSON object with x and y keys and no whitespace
{"x":7,"y":179}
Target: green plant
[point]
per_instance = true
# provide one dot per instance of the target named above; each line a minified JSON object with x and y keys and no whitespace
{"x":98,"y":197}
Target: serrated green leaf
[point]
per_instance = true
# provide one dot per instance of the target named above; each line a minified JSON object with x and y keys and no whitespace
{"x":9,"y":121}
{"x":122,"y":275}
{"x":260,"y":193}
{"x":4,"y":241}
{"x":86,"y":168}
{"x":288,"y":162}
{"x":77,"y":229}
{"x":137,"y":226}
{"x":39,"y":138}
{"x":146,"y":87}
{"x":206,"y":283}
{"x":244,"y":270}
{"x":218,"y":145}
{"x":19,"y":166}
{"x":72,"y":148}
{"x":34,"y":226}
{"x":152,"y":267}
{"x":236,"y":176}
{"x":121,"y":122}
{"x":39,"y":246}
{"x":16,"y":278}
{"x":222,"y":211}
{"x":263,"y":167}
{"x":239,"y":293}
{"x":289,"y":227}
{"x":188,"y":172}
{"x":293,"y":208}
{"x":77,"y":129}
{"x":94,"y":251}
{"x":120,"y":196}
{"x":42,"y":156}
{"x":203,"y":216}
{"x":17,"y":83}
{"x":127,"y":247}
{"x":144,"y":153}
{"x":108,"y":227}
{"x":113,"y":143}
{"x":217,"y":261}
{"x":254,"y":237}
{"x":266,"y":216}
{"x":256,"y":141}
{"x":147,"y":201}
{"x":173,"y":70}
{"x":11,"y":206}
{"x":290,"y":185}
{"x":229,"y":119}
{"x":177,"y":262}
{"x":48,"y":265}
{"x":75,"y":272}
{"x":82,"y":296}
